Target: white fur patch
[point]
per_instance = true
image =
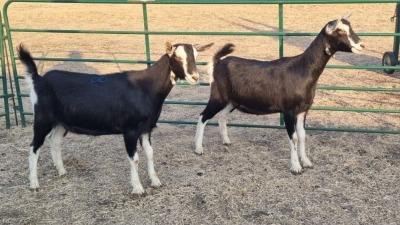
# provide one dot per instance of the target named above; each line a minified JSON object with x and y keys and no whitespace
{"x":210,"y":70}
{"x":301,"y":133}
{"x":33,"y":96}
{"x":55,"y":144}
{"x":195,"y":52}
{"x":181,"y":53}
{"x":355,"y":47}
{"x":137,"y":186}
{"x":155,"y":182}
{"x":33,"y":177}
{"x":199,"y":136}
{"x":222,"y":123}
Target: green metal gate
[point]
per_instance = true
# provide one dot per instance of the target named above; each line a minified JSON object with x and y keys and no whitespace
{"x":4,"y":95}
{"x":146,"y":33}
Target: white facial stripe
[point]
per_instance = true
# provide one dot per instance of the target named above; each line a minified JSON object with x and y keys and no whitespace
{"x":180,"y":52}
{"x":346,"y":28}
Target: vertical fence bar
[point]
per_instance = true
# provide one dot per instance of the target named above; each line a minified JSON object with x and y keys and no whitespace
{"x":396,"y":41}
{"x":4,"y":78}
{"x":20,"y":106}
{"x":146,"y":36}
{"x":281,"y":119}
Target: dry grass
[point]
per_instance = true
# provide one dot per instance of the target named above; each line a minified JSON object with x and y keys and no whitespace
{"x":356,"y":176}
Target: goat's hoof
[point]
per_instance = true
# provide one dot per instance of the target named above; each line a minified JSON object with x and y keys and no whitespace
{"x":62,"y":173}
{"x":296,"y":171}
{"x":138,"y":192}
{"x":198,"y":151}
{"x":156,"y":183}
{"x":34,"y":189}
{"x":227,"y":144}
{"x":307,"y":164}
{"x":137,"y":195}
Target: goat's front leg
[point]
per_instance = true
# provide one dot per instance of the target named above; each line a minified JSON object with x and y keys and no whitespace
{"x":290,"y":123}
{"x":301,"y":133}
{"x":130,"y":139}
{"x":146,"y":144}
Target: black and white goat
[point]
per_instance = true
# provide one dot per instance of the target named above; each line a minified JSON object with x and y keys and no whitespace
{"x":285,"y":85}
{"x":127,"y":103}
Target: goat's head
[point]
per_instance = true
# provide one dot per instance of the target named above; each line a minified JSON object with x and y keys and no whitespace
{"x":342,"y":37}
{"x":182,"y":58}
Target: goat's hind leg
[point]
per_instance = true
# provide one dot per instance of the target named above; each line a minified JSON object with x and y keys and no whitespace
{"x":55,"y":143}
{"x":148,"y":149}
{"x":305,"y":162}
{"x":222,"y":124}
{"x":290,"y":124}
{"x":209,"y":112}
{"x":40,"y":131}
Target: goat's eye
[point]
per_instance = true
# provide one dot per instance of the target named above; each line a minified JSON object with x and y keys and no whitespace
{"x":342,"y":32}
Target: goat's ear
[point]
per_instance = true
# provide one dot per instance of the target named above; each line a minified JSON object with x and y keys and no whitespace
{"x":201,"y":48}
{"x":332,"y":26}
{"x":168,"y":48}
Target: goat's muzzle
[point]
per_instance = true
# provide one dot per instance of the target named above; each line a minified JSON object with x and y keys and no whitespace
{"x":192,"y":79}
{"x":357,"y":48}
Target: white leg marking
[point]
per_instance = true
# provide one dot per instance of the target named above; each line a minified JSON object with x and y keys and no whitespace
{"x":33,"y":177}
{"x":155,"y":182}
{"x":55,"y":144}
{"x":294,"y":159}
{"x":137,"y":186}
{"x":199,"y":136}
{"x":302,"y":140}
{"x":222,"y":124}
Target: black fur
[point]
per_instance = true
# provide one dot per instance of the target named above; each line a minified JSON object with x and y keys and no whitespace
{"x":284,"y":85}
{"x":126,"y":103}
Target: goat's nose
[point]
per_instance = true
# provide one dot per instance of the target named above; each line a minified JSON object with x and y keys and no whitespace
{"x":362,"y":45}
{"x":196,"y":76}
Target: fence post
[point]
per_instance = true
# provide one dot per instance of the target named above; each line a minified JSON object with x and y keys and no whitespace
{"x":281,"y":118}
{"x":146,"y":36}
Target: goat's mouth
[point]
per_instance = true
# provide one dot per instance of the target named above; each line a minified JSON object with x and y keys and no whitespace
{"x":192,"y":79}
{"x":358,"y":48}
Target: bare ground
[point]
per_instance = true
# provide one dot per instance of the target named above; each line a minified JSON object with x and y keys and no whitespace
{"x":355,"y":179}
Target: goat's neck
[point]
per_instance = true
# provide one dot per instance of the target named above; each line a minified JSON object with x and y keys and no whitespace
{"x":159,"y":74}
{"x":315,"y":57}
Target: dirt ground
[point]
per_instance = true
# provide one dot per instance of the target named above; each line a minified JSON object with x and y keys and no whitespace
{"x":355,"y":179}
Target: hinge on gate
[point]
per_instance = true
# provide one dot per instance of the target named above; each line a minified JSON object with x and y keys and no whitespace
{"x":392,"y":18}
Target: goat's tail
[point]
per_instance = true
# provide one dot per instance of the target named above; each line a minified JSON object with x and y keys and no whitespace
{"x":225,"y":50}
{"x":26,"y":59}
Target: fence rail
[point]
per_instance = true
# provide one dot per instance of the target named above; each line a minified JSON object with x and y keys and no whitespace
{"x":146,"y":33}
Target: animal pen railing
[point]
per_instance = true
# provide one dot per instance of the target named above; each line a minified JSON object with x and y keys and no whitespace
{"x":146,"y":32}
{"x":4,"y":87}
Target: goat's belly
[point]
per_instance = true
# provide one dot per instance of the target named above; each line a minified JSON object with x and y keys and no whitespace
{"x":257,"y":110}
{"x":92,"y":131}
